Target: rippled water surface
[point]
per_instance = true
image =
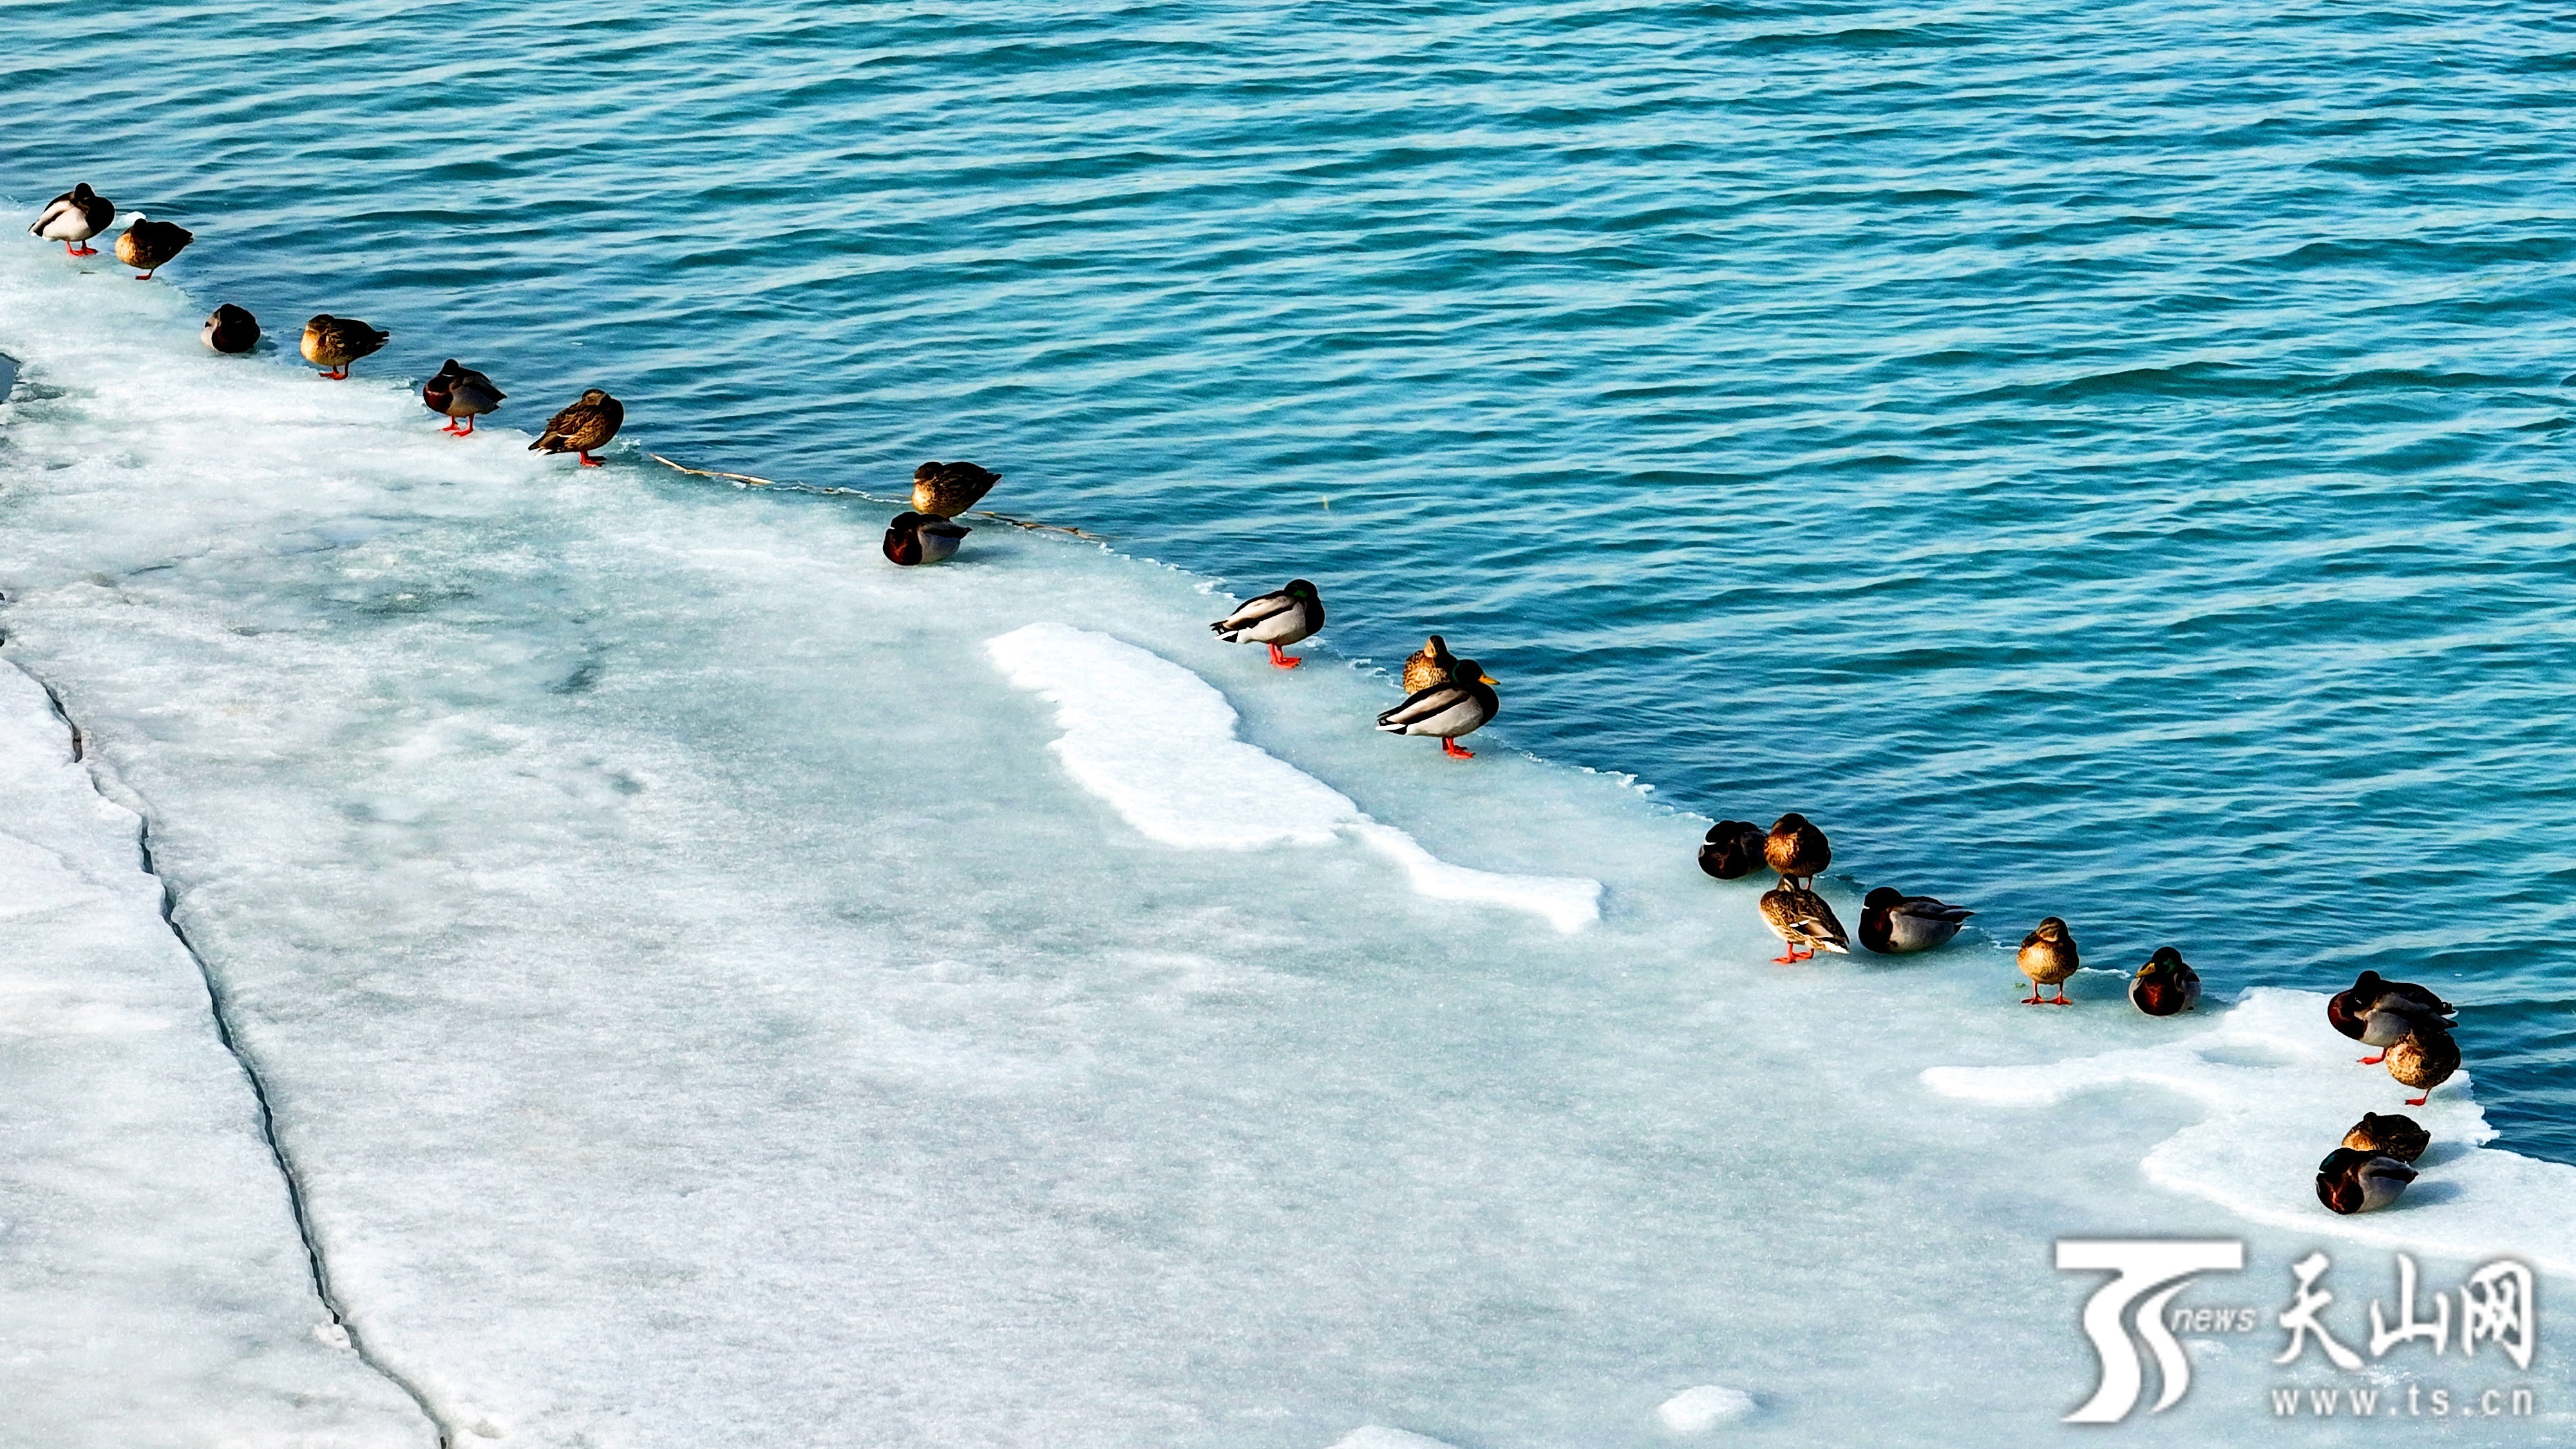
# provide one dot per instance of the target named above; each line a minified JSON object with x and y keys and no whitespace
{"x":2098,"y":460}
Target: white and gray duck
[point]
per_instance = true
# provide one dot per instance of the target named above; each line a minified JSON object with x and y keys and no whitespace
{"x":1464,"y":705}
{"x":922,"y":538}
{"x":1893,"y":923}
{"x":460,"y":394}
{"x":230,"y":329}
{"x":1284,"y":616}
{"x":73,"y":218}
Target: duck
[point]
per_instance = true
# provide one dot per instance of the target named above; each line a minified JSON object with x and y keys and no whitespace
{"x":1462,"y":706}
{"x":2166,"y":985}
{"x":1283,"y":616}
{"x":2377,"y":1012}
{"x":1893,"y":923}
{"x":230,"y":329}
{"x":1428,"y":665}
{"x":461,"y":394}
{"x":73,"y":218}
{"x":2352,"y":1180}
{"x":2394,"y":1135}
{"x":1797,"y":850}
{"x":2423,"y":1059}
{"x":147,"y":245}
{"x":2048,"y":957}
{"x":919,"y":538}
{"x":332,"y":343}
{"x":583,"y":428}
{"x":1733,"y":849}
{"x":1800,"y":917}
{"x":944,"y":490}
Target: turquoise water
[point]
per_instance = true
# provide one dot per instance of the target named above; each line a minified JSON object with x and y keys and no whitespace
{"x":2100,"y":460}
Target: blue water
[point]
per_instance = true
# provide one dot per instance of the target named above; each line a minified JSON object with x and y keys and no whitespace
{"x":2097,"y":460}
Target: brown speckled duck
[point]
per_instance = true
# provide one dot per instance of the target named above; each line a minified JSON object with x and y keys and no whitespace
{"x":583,"y":428}
{"x":2048,"y":957}
{"x":73,"y":218}
{"x":944,"y":490}
{"x":1732,"y":850}
{"x":147,"y":245}
{"x":2391,"y":1135}
{"x":1429,"y":665}
{"x":1802,"y":918}
{"x":1796,"y":850}
{"x":2423,"y":1059}
{"x":332,"y":343}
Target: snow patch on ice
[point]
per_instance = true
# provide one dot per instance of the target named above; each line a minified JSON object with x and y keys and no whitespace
{"x":1157,"y":742}
{"x":1697,"y":1410}
{"x":1378,"y":1436}
{"x":2283,"y":1087}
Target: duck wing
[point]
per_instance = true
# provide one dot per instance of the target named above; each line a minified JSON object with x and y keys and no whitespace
{"x":1925,"y":908}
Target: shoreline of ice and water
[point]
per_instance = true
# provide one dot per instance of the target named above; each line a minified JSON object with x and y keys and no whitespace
{"x":665,"y":925}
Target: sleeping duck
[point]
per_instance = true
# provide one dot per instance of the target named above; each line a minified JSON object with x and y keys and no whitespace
{"x":2354,"y":1181}
{"x":462,"y":395}
{"x":1797,"y":850}
{"x":583,"y":427}
{"x":2377,"y":1012}
{"x":1733,"y":849}
{"x":2166,"y":985}
{"x":2423,"y":1059}
{"x":2392,"y":1135}
{"x":1893,"y":923}
{"x":1800,"y":917}
{"x":332,"y":343}
{"x":2048,"y":958}
{"x":1281,"y":617}
{"x":919,"y":538}
{"x":1428,"y":665}
{"x":1462,"y":706}
{"x":73,"y":218}
{"x":230,"y":329}
{"x":944,"y":490}
{"x":147,"y":245}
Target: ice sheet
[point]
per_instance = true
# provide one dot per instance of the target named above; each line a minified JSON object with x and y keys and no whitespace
{"x":2281,"y":1087}
{"x":152,"y":1286}
{"x":706,"y":1009}
{"x":1157,"y":742}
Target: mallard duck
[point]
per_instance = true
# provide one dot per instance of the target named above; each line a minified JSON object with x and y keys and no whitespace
{"x":231,"y":329}
{"x":73,"y":218}
{"x":2423,"y":1059}
{"x":583,"y":428}
{"x":462,"y":395}
{"x":1462,"y":706}
{"x":1284,"y":617}
{"x":332,"y":343}
{"x":2394,"y":1135}
{"x":918,"y":538}
{"x":1428,"y":665}
{"x":1800,"y":917}
{"x":944,"y":490}
{"x":2166,"y":985}
{"x":1733,"y":849}
{"x":2376,"y":1012}
{"x":2048,"y":958}
{"x":147,"y":245}
{"x":1796,"y":850}
{"x":1893,"y":923}
{"x":2354,"y":1181}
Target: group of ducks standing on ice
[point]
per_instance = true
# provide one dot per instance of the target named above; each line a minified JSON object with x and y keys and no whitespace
{"x":330,"y":343}
{"x":1447,"y":698}
{"x":2408,"y":1023}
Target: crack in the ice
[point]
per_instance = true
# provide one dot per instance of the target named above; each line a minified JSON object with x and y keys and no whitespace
{"x":220,"y":1008}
